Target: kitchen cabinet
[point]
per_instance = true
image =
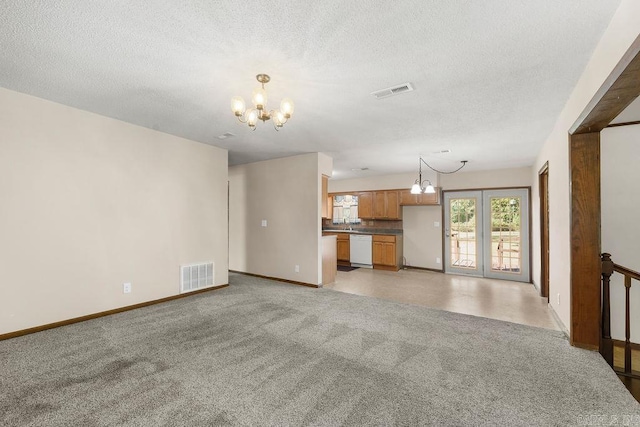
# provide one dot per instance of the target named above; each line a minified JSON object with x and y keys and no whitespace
{"x":387,"y":252}
{"x":393,"y":205}
{"x":343,"y":247}
{"x":422,"y":199}
{"x":386,"y":205}
{"x":329,"y":203}
{"x":365,"y":205}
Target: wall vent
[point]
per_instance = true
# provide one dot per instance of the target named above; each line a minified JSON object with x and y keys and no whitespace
{"x":390,"y":91}
{"x":196,"y":276}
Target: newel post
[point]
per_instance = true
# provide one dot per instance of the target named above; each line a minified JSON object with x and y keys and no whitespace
{"x":606,"y":344}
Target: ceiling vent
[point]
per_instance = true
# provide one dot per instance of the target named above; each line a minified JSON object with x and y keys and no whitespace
{"x":225,"y":135}
{"x":390,"y":91}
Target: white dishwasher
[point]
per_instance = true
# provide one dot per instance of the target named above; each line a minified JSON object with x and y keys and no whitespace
{"x":360,"y":250}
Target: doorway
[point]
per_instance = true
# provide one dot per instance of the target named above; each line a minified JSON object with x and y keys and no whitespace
{"x":486,"y":233}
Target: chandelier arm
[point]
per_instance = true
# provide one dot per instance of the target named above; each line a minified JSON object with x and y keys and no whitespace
{"x":464,"y":163}
{"x":241,"y":119}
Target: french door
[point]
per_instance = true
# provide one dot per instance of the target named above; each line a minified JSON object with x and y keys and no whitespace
{"x":486,"y":233}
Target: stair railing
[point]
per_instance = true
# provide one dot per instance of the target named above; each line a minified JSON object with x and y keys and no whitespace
{"x":606,"y":343}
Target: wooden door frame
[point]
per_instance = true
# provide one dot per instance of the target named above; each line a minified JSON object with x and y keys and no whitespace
{"x":618,"y":91}
{"x":543,"y":189}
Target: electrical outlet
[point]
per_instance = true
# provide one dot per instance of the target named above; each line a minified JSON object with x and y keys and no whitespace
{"x":558,"y":299}
{"x":437,"y":260}
{"x":126,"y":288}
{"x":436,"y":224}
{"x":264,"y":222}
{"x":297,"y":269}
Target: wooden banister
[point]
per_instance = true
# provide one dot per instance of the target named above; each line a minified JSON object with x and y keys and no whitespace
{"x":625,"y":271}
{"x":606,"y":343}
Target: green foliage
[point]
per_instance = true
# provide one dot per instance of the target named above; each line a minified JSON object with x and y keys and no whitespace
{"x":463,"y":214}
{"x":505,"y":214}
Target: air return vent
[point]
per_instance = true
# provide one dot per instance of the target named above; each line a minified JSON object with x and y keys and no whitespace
{"x":390,"y":91}
{"x":196,"y":276}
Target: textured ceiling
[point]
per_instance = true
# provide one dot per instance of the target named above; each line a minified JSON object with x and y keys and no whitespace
{"x":490,"y":77}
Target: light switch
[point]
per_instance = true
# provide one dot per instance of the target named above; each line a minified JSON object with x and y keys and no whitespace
{"x":264,"y":222}
{"x":436,"y":224}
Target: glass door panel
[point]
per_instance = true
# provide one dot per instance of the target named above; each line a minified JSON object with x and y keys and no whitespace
{"x":463,"y":244}
{"x":508,"y":226}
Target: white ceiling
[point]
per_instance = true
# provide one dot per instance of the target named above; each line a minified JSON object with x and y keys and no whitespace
{"x":490,"y":77}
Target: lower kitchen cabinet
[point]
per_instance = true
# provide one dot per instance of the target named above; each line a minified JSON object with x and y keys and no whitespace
{"x":387,"y":252}
{"x":343,"y":248}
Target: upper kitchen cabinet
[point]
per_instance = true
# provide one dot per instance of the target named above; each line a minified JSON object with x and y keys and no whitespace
{"x":386,"y":205}
{"x":422,"y":199}
{"x":365,"y":205}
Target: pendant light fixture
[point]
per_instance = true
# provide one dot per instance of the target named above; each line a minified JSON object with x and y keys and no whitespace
{"x":419,"y":187}
{"x":259,"y":110}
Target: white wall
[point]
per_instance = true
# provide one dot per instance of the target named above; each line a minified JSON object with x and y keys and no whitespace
{"x":422,"y":240}
{"x":286,"y":193}
{"x":622,"y":31}
{"x":90,"y":202}
{"x":516,"y":177}
{"x":620,"y":157}
{"x":380,"y":182}
{"x":325,"y":167}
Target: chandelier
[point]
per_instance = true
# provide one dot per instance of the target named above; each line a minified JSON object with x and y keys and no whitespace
{"x":260,"y":111}
{"x":419,"y":187}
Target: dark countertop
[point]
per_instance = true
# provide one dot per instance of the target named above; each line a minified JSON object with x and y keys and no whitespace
{"x":394,"y":232}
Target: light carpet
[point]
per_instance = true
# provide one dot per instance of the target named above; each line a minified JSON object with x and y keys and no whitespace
{"x":266,"y":353}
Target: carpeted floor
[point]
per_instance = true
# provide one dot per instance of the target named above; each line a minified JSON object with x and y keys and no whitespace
{"x":266,"y":353}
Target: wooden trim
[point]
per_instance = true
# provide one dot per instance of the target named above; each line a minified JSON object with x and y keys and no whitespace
{"x":543,"y":186}
{"x":530,"y":237}
{"x":585,"y":304}
{"x":613,"y":125}
{"x":103,"y":313}
{"x":292,"y":282}
{"x":410,"y":267}
{"x":619,"y":90}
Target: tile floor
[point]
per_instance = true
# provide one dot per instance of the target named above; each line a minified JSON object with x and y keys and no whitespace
{"x":496,"y":299}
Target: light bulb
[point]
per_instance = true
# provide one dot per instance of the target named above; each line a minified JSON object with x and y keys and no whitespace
{"x":259,"y":98}
{"x":429,"y":189}
{"x":252,"y":117}
{"x":278,"y":118}
{"x":415,"y":189}
{"x":237,"y":105}
{"x":286,"y":106}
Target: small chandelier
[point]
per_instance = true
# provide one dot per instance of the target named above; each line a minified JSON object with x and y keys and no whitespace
{"x":260,"y":111}
{"x":419,"y":187}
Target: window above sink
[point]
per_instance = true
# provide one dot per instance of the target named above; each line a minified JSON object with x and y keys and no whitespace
{"x":345,"y":209}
